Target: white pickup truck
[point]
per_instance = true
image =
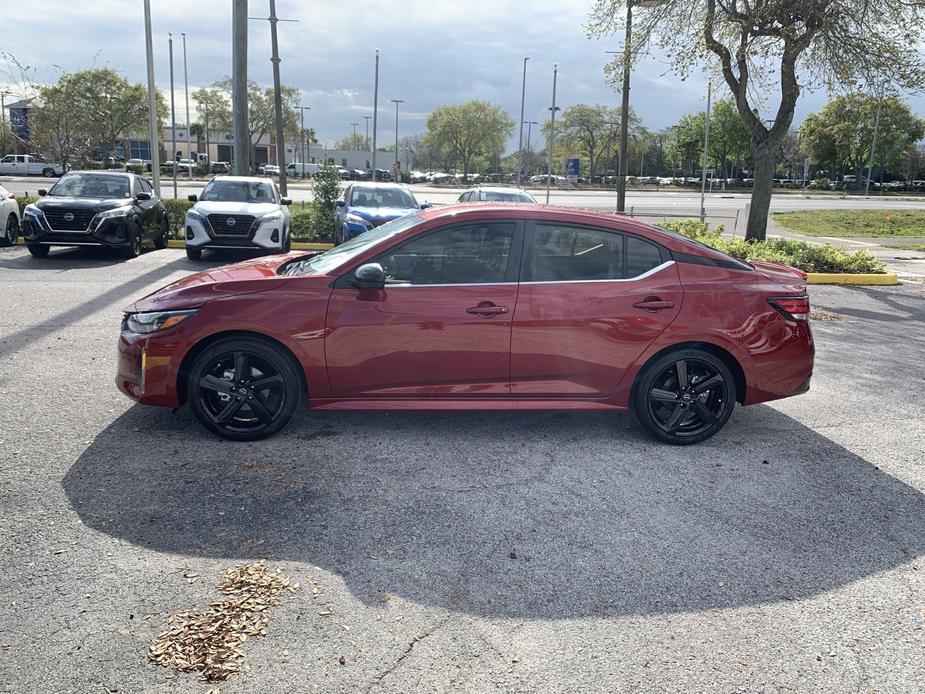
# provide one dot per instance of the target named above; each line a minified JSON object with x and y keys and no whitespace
{"x":28,"y":165}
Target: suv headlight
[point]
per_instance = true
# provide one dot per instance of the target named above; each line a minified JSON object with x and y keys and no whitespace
{"x":154,"y":321}
{"x":275,"y":216}
{"x":32,"y":210}
{"x":356,"y":219}
{"x":114,"y":213}
{"x":198,"y":216}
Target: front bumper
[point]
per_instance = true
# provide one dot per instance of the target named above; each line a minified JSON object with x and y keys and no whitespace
{"x":144,"y":369}
{"x":265,"y":235}
{"x":112,"y":233}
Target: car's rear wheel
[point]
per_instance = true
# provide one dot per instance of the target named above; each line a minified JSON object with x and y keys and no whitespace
{"x":160,"y":243}
{"x":11,"y":232}
{"x":193,"y":253}
{"x":48,"y":172}
{"x":684,"y":397}
{"x":38,"y":250}
{"x":244,"y":388}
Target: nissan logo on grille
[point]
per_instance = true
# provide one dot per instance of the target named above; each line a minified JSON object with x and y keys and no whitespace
{"x":230,"y":221}
{"x":68,"y":216}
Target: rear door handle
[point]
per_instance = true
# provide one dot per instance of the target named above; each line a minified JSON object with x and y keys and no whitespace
{"x":653,"y":303}
{"x":486,"y":309}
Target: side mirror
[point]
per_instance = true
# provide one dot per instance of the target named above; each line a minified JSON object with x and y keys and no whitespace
{"x":340,"y":203}
{"x":425,"y":205}
{"x":285,"y":201}
{"x":12,"y":196}
{"x":42,"y":191}
{"x":369,"y":276}
{"x":141,"y":196}
{"x":192,"y":198}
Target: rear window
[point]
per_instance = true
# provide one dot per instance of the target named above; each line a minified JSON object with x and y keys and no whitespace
{"x":728,"y":259}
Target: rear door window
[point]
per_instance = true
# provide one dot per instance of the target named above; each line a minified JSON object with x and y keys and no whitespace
{"x":564,"y":253}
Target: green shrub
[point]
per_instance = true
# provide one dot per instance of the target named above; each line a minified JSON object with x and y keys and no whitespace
{"x":809,"y":257}
{"x":176,"y":214}
{"x":307,"y":227}
{"x":23,"y":201}
{"x":819,"y":184}
{"x":135,"y":169}
{"x":326,"y":189}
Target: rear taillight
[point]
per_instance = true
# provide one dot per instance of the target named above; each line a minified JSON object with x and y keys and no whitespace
{"x":792,"y":307}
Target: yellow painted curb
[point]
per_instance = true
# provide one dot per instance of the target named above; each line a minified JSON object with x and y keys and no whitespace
{"x":296,"y":245}
{"x":844,"y":278}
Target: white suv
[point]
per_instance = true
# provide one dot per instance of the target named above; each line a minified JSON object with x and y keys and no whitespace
{"x":238,"y":212}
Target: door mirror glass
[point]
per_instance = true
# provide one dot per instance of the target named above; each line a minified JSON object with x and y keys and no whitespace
{"x":285,"y":201}
{"x":425,"y":205}
{"x":339,"y":203}
{"x":42,"y":191}
{"x":369,"y":276}
{"x":191,"y":198}
{"x":142,"y":196}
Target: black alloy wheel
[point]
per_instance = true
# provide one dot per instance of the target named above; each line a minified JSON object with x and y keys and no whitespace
{"x":11,"y":232}
{"x":244,"y":388}
{"x":160,"y":243}
{"x":135,"y":247}
{"x":684,"y":397}
{"x":193,"y":253}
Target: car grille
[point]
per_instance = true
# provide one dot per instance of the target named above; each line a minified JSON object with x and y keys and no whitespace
{"x":223,"y":226}
{"x":79,"y":222}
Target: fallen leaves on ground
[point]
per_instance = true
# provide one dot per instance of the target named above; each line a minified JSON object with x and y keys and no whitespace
{"x":819,"y":314}
{"x":211,"y":642}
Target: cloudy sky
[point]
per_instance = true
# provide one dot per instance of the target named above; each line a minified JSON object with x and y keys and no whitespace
{"x":433,"y":52}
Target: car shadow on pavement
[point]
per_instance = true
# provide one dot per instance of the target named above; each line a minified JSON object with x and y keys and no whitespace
{"x":504,"y":514}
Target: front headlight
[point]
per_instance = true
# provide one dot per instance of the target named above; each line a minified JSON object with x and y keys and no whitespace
{"x":114,"y":213}
{"x":33,"y":210}
{"x":154,"y":321}
{"x":198,"y":216}
{"x":356,"y":219}
{"x":276,"y":216}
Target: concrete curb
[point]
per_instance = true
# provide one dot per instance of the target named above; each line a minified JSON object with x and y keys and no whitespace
{"x":844,"y":278}
{"x":296,"y":245}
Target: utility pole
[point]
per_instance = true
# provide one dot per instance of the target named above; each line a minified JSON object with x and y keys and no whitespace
{"x":873,"y":144}
{"x":706,"y":146}
{"x":375,"y":112}
{"x":520,"y":143}
{"x":153,"y":135}
{"x":396,"y":102}
{"x":529,"y":124}
{"x":173,"y":119}
{"x":552,"y":132}
{"x":189,"y":153}
{"x":302,"y":110}
{"x":353,"y":142}
{"x":625,"y":111}
{"x":6,"y":131}
{"x":242,"y":145}
{"x":278,"y":102}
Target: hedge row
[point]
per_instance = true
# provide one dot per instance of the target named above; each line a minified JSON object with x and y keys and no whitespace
{"x":809,"y":257}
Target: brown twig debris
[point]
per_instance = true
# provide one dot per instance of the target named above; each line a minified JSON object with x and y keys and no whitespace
{"x":211,"y":642}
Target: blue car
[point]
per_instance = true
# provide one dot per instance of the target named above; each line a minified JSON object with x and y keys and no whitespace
{"x":368,"y":205}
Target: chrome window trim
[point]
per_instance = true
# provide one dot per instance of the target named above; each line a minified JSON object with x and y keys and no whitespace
{"x":647,"y":273}
{"x":459,"y":284}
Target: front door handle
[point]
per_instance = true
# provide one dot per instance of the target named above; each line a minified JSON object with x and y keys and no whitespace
{"x":653,"y":304}
{"x":486,"y":309}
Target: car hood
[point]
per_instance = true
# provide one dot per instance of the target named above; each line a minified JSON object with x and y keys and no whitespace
{"x":247,"y":277}
{"x":50,"y":203}
{"x":374,"y":214}
{"x":253,"y":208}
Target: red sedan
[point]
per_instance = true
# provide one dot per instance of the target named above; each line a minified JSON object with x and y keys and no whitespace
{"x":477,"y":307}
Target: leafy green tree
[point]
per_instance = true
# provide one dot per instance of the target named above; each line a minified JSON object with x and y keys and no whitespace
{"x":354,"y":142}
{"x":469,"y":131}
{"x":589,"y":130}
{"x":730,"y":139}
{"x":214,"y":112}
{"x":758,"y":46}
{"x":261,"y":112}
{"x":842,"y":133}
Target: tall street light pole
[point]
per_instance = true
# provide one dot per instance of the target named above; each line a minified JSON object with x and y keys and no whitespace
{"x":302,"y":110}
{"x":396,"y":102}
{"x":520,"y":143}
{"x":873,"y":145}
{"x":366,"y":142}
{"x":529,"y":124}
{"x":552,"y":132}
{"x":173,"y":118}
{"x":278,"y":102}
{"x":153,"y":135}
{"x":375,"y":111}
{"x":189,"y":154}
{"x":353,"y":142}
{"x":706,"y":146}
{"x":242,"y":145}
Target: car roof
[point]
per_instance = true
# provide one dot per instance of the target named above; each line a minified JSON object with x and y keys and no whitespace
{"x":244,"y":179}
{"x":501,"y":189}
{"x":378,"y":184}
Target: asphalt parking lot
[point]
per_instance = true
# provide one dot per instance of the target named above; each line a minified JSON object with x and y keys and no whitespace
{"x":516,"y":552}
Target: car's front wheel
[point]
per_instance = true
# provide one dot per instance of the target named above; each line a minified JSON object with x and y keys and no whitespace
{"x":244,"y":388}
{"x":160,"y":243}
{"x":193,"y":253}
{"x":37,"y":250}
{"x":684,"y":397}
{"x":11,"y":232}
{"x":135,"y":242}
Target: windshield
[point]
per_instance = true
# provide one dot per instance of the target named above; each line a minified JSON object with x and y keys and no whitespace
{"x":381,"y":197}
{"x":238,"y":191}
{"x":496,"y":196}
{"x":92,"y":186}
{"x":320,"y":264}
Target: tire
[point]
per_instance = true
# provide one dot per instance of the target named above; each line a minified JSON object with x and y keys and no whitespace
{"x":11,"y":231}
{"x":287,"y":246}
{"x":222,"y":393}
{"x":48,"y":172}
{"x":135,"y":243}
{"x":37,"y":250}
{"x":684,"y":397}
{"x":193,"y":253}
{"x":160,"y":243}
